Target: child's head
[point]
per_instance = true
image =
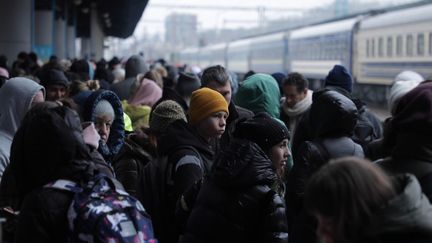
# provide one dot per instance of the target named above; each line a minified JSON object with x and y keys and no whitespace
{"x":208,"y":112}
{"x":343,"y":196}
{"x":270,"y":134}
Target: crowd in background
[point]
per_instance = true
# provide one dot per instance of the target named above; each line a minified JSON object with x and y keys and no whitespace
{"x":214,"y":156}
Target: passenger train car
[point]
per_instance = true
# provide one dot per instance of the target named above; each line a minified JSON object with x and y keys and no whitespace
{"x":374,"y":47}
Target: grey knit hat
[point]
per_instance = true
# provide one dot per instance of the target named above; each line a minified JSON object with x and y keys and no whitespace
{"x":103,"y":107}
{"x":164,"y":114}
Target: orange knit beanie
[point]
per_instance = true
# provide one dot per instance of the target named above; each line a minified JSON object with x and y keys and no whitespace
{"x":205,"y":102}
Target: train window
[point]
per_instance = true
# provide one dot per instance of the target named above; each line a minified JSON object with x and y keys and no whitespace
{"x":399,"y":45}
{"x":420,"y":44}
{"x":380,"y":47}
{"x":409,"y":45}
{"x":389,"y":46}
{"x":373,"y":48}
{"x":430,"y":43}
{"x":367,"y":48}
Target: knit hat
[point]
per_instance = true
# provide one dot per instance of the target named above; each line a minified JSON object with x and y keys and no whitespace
{"x":187,"y":83}
{"x":54,"y":77}
{"x":398,"y":90}
{"x":408,"y":75}
{"x":205,"y":102}
{"x":339,"y":77}
{"x":104,"y":108}
{"x":164,"y":114}
{"x":413,"y":113}
{"x":263,"y":130}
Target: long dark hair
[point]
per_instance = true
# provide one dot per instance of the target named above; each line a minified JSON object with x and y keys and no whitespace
{"x":348,"y":191}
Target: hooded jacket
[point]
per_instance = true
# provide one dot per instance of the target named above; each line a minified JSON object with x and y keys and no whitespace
{"x":47,"y":147}
{"x":410,"y":129}
{"x":405,"y":218}
{"x":332,"y":119}
{"x":134,"y":66}
{"x":116,"y":137}
{"x":237,"y":202}
{"x":368,"y":127}
{"x":259,"y":93}
{"x":16,"y":96}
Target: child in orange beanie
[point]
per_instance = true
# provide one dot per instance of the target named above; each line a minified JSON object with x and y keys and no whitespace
{"x":208,"y":112}
{"x":188,"y":146}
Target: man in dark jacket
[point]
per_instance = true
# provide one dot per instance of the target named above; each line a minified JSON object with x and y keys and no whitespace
{"x":56,"y":84}
{"x":134,"y":66}
{"x":139,"y":148}
{"x":218,"y":79}
{"x":179,"y":89}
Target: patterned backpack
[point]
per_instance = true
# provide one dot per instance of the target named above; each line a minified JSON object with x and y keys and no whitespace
{"x":102,"y":212}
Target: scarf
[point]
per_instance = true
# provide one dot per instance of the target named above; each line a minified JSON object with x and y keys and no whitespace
{"x":298,"y":109}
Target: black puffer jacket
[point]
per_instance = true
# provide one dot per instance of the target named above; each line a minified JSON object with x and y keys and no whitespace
{"x":48,"y":146}
{"x":367,"y":130}
{"x":236,"y":114}
{"x":333,"y":118}
{"x":237,"y":203}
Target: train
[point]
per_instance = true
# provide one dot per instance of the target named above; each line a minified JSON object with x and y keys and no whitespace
{"x":374,"y":47}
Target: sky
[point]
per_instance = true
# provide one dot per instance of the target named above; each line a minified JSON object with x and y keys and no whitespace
{"x":152,"y":21}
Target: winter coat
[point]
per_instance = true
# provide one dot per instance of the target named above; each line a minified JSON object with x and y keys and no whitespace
{"x":16,"y":96}
{"x":333,"y":118}
{"x":412,"y":156}
{"x":259,"y":93}
{"x":130,"y":162}
{"x":116,"y":137}
{"x":47,"y":147}
{"x":134,"y":66}
{"x":138,"y":114}
{"x":410,"y":129}
{"x":361,"y":134}
{"x":237,"y":202}
{"x":405,"y":218}
{"x":190,"y":158}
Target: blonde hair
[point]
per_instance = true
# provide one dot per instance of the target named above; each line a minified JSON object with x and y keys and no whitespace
{"x":80,"y":86}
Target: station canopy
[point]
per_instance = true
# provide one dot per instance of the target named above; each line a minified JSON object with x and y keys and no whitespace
{"x":117,"y":17}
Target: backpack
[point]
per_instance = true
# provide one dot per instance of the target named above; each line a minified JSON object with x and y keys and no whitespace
{"x":365,"y":131}
{"x":102,"y":212}
{"x":153,"y":189}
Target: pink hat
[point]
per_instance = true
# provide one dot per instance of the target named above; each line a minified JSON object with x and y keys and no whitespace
{"x":148,"y":93}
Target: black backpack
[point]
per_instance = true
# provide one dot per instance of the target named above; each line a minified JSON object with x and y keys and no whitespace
{"x":153,"y":189}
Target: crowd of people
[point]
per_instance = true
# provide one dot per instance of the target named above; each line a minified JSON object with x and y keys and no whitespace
{"x":213,"y":156}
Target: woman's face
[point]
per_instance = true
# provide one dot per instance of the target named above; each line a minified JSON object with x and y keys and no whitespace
{"x":278,"y":155}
